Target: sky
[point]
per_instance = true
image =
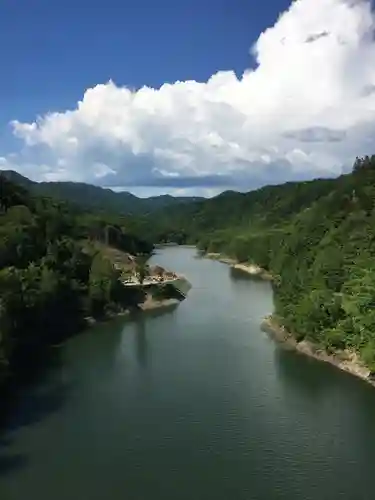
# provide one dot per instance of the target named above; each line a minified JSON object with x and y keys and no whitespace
{"x":185,"y":97}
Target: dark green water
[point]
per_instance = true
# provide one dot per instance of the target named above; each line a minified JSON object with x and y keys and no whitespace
{"x":196,"y":403}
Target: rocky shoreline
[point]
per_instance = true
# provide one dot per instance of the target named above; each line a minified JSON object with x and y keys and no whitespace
{"x":149,"y":304}
{"x":254,"y":271}
{"x":219,"y":257}
{"x":251,"y":269}
{"x":346,"y":360}
{"x":152,"y":305}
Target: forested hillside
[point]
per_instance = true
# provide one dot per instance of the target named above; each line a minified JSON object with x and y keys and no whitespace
{"x":317,"y":238}
{"x":52,"y":274}
{"x":97,"y":198}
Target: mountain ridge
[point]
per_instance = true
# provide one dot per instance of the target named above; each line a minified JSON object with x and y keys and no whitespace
{"x":99,"y":198}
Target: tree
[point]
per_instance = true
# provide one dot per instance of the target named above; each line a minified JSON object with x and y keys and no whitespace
{"x":141,"y":267}
{"x":50,"y":279}
{"x":102,"y":281}
{"x":159,"y":272}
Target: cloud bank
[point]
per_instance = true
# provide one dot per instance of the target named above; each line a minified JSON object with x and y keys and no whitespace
{"x":306,"y":110}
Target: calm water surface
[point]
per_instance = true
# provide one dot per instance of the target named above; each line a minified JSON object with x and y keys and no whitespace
{"x":195,"y":403}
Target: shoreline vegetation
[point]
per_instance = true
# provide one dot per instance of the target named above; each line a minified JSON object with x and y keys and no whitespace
{"x":346,"y":360}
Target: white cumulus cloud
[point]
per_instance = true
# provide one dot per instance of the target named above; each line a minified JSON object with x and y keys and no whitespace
{"x":306,"y":109}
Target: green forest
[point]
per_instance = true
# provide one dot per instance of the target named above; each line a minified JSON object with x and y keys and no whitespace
{"x":316,"y":238}
{"x":53,"y":274}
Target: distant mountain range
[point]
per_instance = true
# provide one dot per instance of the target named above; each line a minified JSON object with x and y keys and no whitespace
{"x":93,"y":197}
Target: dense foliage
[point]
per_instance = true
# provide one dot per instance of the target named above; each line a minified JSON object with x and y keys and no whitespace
{"x":52,"y":274}
{"x":317,"y":238}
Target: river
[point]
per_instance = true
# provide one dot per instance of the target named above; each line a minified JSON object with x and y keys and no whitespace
{"x":194,"y":403}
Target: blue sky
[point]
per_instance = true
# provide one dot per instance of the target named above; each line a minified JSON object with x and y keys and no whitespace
{"x":54,"y":52}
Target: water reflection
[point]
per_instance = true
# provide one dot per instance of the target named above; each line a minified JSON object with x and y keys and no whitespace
{"x":86,"y":346}
{"x":238,"y":275}
{"x":29,"y":404}
{"x":141,"y":347}
{"x":141,"y":324}
{"x":10,"y":462}
{"x":298,"y":372}
{"x":199,"y":404}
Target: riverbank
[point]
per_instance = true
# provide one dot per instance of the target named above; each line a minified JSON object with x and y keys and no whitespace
{"x":91,"y":321}
{"x":254,"y":270}
{"x":219,"y":257}
{"x":251,"y":269}
{"x":345,"y":360}
{"x":150,"y":304}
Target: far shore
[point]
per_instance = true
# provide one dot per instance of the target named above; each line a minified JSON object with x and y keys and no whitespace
{"x":346,"y":360}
